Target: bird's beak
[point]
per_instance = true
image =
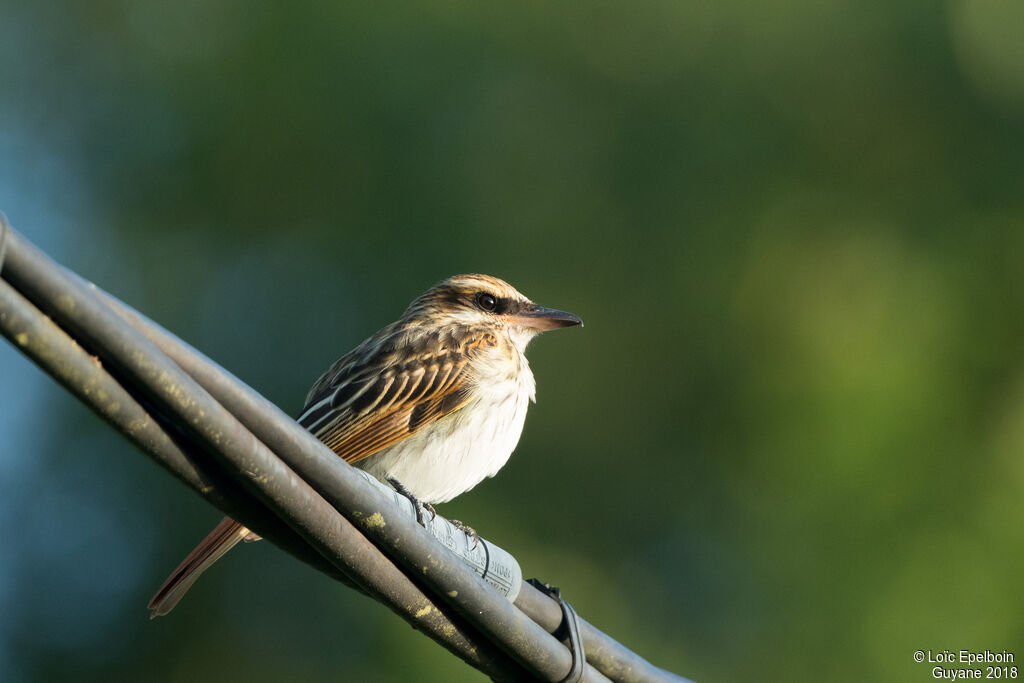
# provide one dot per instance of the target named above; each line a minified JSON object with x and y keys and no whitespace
{"x":540,"y":318}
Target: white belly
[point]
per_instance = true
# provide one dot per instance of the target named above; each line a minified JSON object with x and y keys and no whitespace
{"x":462,"y":449}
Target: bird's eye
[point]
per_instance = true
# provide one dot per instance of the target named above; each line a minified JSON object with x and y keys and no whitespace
{"x":486,"y":302}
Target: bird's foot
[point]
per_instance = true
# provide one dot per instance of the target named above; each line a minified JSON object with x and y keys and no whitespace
{"x":397,"y":486}
{"x":469,"y":531}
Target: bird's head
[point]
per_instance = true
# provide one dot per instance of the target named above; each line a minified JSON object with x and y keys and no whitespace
{"x":482,"y":300}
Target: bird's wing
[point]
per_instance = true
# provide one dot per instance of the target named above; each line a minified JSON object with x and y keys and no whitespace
{"x":364,"y":407}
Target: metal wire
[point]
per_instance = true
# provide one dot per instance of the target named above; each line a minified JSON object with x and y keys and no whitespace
{"x":252,"y":459}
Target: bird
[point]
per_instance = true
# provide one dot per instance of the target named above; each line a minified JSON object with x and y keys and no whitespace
{"x":432,"y":404}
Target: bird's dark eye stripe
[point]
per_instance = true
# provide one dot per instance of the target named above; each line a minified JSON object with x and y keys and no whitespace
{"x":511,"y":306}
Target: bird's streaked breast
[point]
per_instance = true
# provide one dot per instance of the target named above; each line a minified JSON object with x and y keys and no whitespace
{"x":464,"y":448}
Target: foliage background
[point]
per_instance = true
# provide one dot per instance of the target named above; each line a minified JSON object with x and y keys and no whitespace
{"x":792,"y":428}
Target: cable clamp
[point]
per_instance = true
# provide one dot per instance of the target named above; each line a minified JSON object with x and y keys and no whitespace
{"x":568,"y":629}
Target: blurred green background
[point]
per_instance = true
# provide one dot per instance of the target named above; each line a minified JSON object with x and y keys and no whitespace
{"x":792,"y":427}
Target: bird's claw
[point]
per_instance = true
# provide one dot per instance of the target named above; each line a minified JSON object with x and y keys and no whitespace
{"x":417,"y":504}
{"x":469,"y":531}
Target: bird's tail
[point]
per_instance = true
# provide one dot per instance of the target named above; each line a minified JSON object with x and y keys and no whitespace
{"x":222,"y":539}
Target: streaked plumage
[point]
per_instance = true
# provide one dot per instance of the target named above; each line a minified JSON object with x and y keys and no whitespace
{"x":435,"y":400}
